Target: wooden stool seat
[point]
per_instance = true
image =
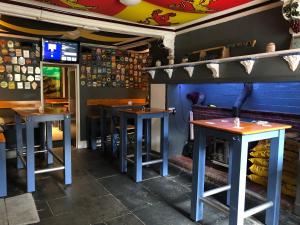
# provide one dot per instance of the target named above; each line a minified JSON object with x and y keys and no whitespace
{"x":129,"y":128}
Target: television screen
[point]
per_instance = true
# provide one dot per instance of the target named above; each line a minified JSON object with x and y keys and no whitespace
{"x":69,"y":51}
{"x":60,"y":51}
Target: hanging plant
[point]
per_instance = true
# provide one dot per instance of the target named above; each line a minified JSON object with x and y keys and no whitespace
{"x":295,"y":25}
{"x":291,"y":12}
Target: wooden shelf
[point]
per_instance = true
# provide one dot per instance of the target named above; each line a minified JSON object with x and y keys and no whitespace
{"x":292,"y":56}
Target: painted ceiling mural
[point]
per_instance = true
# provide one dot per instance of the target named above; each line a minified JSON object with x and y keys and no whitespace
{"x":152,"y":12}
{"x":33,"y":28}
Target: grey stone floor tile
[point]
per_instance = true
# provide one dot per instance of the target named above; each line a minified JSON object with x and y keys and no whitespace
{"x":101,"y":195}
{"x":184,"y":179}
{"x":84,"y":186}
{"x":168,"y":190}
{"x":163,"y":214}
{"x":43,"y":209}
{"x":66,"y":219}
{"x":95,"y":209}
{"x":128,"y":219}
{"x":131,"y":194}
{"x":101,"y":170}
{"x":3,"y":215}
{"x":148,"y":172}
{"x":48,"y":188}
{"x":173,"y":171}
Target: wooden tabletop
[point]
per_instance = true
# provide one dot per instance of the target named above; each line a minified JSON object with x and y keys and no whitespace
{"x":227,"y":124}
{"x":2,"y":138}
{"x":145,"y":111}
{"x":121,"y":105}
{"x":121,"y":101}
{"x":25,"y":112}
{"x":56,"y":101}
{"x":16,"y":104}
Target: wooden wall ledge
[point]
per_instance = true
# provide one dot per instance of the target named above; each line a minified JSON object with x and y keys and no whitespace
{"x":16,"y":104}
{"x":93,"y":102}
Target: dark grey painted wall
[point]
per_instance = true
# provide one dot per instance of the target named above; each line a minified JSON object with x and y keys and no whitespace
{"x":265,"y":27}
{"x":20,"y":95}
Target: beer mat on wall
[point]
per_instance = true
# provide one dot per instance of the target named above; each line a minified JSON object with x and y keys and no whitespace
{"x":113,"y":68}
{"x":18,"y":64}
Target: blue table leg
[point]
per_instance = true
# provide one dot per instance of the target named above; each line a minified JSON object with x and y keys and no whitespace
{"x":102,"y":127}
{"x":148,"y":139}
{"x":30,"y":161}
{"x":114,"y":135}
{"x":3,"y":177}
{"x":49,"y":141}
{"x":138,"y":149}
{"x":164,"y":144}
{"x":19,"y":140}
{"x":229,"y":172}
{"x":93,"y":142}
{"x":274,"y":180}
{"x":123,"y":149}
{"x":42,"y":130}
{"x":199,"y":154}
{"x":67,"y":149}
{"x":238,"y":180}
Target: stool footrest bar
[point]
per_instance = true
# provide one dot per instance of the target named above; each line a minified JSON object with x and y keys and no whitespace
{"x":19,"y":155}
{"x":152,"y":162}
{"x":255,"y":195}
{"x":130,"y":160}
{"x":225,"y":209}
{"x":215,"y":204}
{"x":258,"y":209}
{"x":40,"y":151}
{"x":49,"y":170}
{"x":216,"y":191}
{"x":132,"y":155}
{"x":57,"y":157}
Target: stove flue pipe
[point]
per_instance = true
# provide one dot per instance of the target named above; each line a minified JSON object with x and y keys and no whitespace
{"x":245,"y":93}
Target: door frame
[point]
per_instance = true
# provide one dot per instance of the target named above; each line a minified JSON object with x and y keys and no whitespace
{"x":79,"y":143}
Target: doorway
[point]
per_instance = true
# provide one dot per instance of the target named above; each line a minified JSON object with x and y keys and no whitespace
{"x":60,"y":89}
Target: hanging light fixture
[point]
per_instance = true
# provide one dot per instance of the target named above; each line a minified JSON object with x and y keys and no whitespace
{"x":130,"y":2}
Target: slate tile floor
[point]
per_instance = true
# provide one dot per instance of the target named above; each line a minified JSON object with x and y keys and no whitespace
{"x":100,"y":195}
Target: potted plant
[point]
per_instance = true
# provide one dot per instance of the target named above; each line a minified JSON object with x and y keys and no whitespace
{"x":291,"y":12}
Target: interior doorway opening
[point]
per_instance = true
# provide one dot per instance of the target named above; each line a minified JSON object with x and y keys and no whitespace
{"x":60,"y":89}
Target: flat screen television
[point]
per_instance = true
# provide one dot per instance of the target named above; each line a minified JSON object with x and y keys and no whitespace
{"x":60,"y":51}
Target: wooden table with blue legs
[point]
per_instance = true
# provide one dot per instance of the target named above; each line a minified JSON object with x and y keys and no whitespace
{"x":238,"y":137}
{"x":113,"y":111}
{"x":32,"y":117}
{"x":3,"y":178}
{"x":139,"y":115}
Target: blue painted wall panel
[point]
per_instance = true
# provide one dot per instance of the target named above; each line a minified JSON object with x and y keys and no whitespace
{"x":275,"y":97}
{"x":278,"y":97}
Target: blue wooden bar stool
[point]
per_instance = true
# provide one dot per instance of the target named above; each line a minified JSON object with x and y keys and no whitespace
{"x":3,"y":178}
{"x":112,"y":111}
{"x":32,"y":117}
{"x":238,"y":136}
{"x":139,"y":115}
